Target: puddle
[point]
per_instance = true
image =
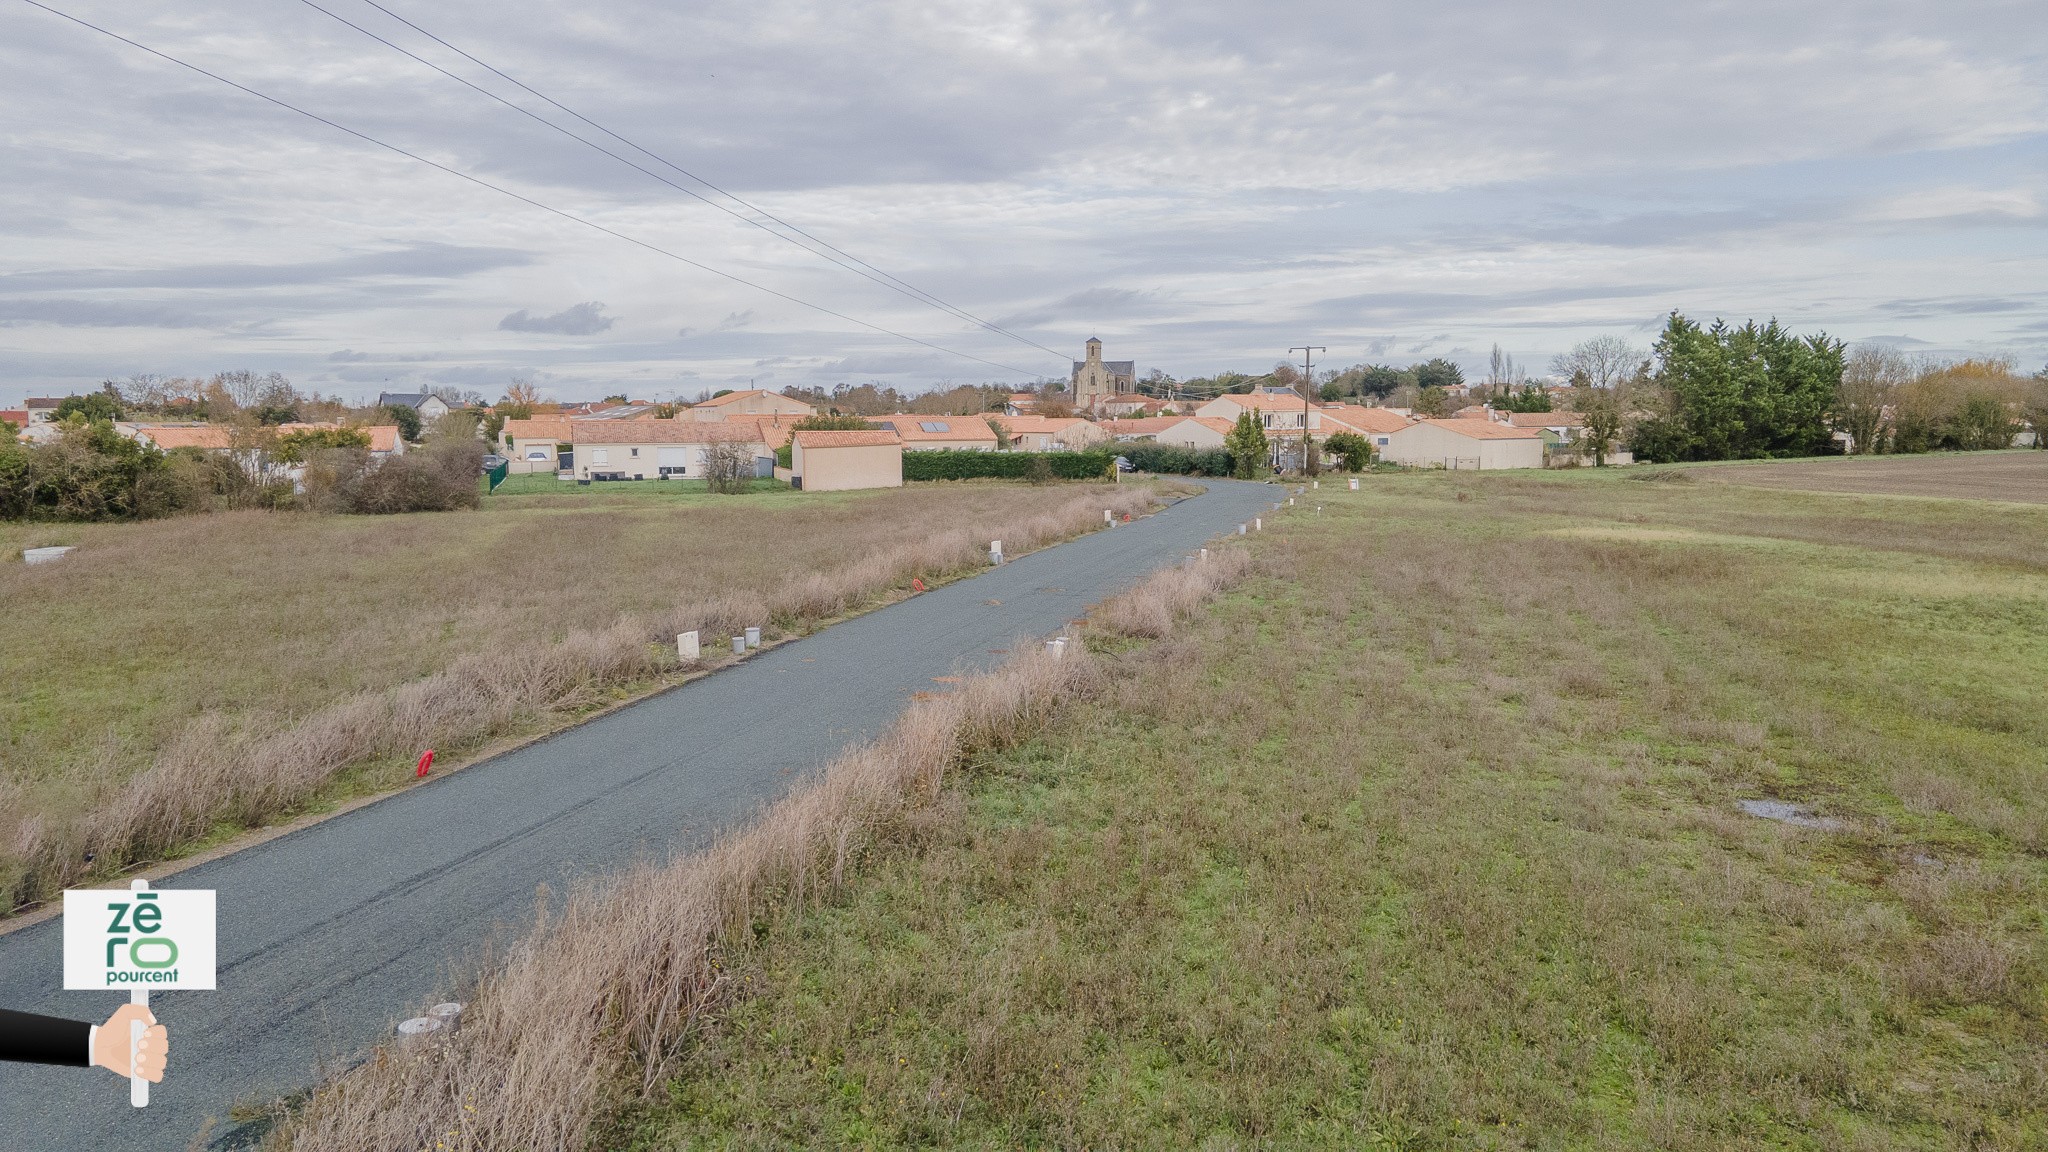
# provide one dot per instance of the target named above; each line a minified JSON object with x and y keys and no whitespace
{"x":1786,"y":812}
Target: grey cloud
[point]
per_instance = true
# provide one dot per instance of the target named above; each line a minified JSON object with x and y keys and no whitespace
{"x":348,"y":356}
{"x":99,"y":314}
{"x":585,"y":319}
{"x":436,"y":261}
{"x":1955,"y":305}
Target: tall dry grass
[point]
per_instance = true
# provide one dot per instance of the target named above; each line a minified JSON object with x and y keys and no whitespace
{"x":217,"y":770}
{"x":594,"y":999}
{"x":588,"y":1008}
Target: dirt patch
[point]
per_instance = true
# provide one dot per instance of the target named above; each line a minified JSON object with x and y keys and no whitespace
{"x":2017,"y":476}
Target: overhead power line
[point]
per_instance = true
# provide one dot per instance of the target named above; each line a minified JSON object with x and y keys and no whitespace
{"x":521,"y":197}
{"x":808,"y":242}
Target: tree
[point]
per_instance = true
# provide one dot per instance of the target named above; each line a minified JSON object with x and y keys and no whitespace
{"x":90,"y":407}
{"x":407,"y":418}
{"x":2034,"y":405}
{"x":1438,"y":373}
{"x":830,"y":423}
{"x":1433,"y":401}
{"x":1748,"y":392}
{"x":1960,"y":406}
{"x":728,"y":467}
{"x":1248,"y":447}
{"x":1603,"y":410}
{"x":1353,"y":451}
{"x":1871,"y":378}
{"x":520,"y":394}
{"x":296,"y":447}
{"x":1602,"y":362}
{"x":1002,"y":434}
{"x":1527,"y":398}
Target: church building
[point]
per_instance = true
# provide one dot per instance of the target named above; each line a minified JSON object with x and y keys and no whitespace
{"x":1096,"y":379}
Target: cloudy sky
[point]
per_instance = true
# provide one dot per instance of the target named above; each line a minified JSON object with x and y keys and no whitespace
{"x":1201,"y":184}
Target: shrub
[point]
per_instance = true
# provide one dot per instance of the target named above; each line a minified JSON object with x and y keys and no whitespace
{"x":952,"y":464}
{"x":295,"y":447}
{"x":1352,"y":449}
{"x":729,"y":468}
{"x":1176,"y":459}
{"x":406,"y":417}
{"x":438,"y":478}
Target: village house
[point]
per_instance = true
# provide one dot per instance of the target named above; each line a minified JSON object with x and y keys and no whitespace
{"x":536,"y":445}
{"x":1281,"y":411}
{"x":839,"y":461}
{"x":1195,"y":431}
{"x":656,"y":449}
{"x":429,"y":406}
{"x":41,"y":409}
{"x":1462,"y":445}
{"x":925,"y":433}
{"x":1051,"y":433}
{"x":748,"y":402}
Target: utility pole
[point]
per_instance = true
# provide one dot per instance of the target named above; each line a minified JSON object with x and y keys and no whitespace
{"x":1309,"y":464}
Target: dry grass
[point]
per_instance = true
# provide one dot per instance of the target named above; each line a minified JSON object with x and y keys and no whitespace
{"x":285,"y":650}
{"x":1432,"y":843}
{"x":587,"y":1010}
{"x":2017,"y":476}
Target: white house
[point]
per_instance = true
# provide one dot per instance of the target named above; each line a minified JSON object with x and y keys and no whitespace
{"x":657,"y":449}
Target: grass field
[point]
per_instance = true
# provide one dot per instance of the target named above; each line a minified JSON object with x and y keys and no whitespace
{"x":2016,"y":475}
{"x":1429,"y":836}
{"x":163,"y":635}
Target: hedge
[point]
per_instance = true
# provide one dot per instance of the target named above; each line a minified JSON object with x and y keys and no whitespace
{"x":951,"y":464}
{"x":1176,"y":459}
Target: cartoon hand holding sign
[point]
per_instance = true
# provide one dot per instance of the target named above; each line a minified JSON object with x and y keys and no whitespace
{"x":143,"y":941}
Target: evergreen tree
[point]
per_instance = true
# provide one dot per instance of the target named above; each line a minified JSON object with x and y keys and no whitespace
{"x":1248,"y":447}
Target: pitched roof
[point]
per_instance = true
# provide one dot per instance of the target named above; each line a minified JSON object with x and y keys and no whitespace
{"x":1213,"y":423}
{"x":818,"y":438}
{"x":1363,"y":419}
{"x":1547,"y":419}
{"x":15,"y":416}
{"x":1486,"y":429}
{"x":1113,"y":367}
{"x":405,"y":399}
{"x":911,"y":427}
{"x":537,"y":428}
{"x":1473,"y":412}
{"x":1143,"y":426}
{"x":774,"y":427}
{"x":1038,"y":425}
{"x":1264,"y":401}
{"x":743,"y":394}
{"x":185,"y":436}
{"x":44,"y":401}
{"x":661,"y":432}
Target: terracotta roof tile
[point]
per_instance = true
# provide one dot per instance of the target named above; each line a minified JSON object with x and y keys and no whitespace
{"x":819,"y":438}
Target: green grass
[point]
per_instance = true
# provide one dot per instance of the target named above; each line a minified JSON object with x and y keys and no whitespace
{"x":1427,"y":837}
{"x":261,"y":619}
{"x":516,"y":489}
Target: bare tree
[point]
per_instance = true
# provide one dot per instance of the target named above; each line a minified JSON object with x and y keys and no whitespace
{"x":1866,"y":398}
{"x":1602,"y":362}
{"x":728,"y":467}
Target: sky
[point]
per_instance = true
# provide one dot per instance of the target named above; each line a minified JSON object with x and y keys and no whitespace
{"x":1201,"y":185}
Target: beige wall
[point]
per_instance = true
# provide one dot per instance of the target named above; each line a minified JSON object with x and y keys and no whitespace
{"x":767,"y":404}
{"x":843,"y":469}
{"x":1189,"y":434}
{"x":515,"y":451}
{"x":1431,"y":446}
{"x":647,"y":465}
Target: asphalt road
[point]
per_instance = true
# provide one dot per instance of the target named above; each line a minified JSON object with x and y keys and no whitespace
{"x":331,"y":934}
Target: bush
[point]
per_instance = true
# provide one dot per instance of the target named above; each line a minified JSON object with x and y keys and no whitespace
{"x":438,"y":478}
{"x":1176,"y":460}
{"x":92,"y":473}
{"x":1354,"y":450}
{"x":952,"y":464}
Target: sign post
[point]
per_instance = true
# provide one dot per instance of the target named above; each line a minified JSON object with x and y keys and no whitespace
{"x":149,"y":941}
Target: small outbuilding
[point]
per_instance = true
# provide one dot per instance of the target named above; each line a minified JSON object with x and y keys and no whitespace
{"x":824,"y":461}
{"x":1462,"y":445}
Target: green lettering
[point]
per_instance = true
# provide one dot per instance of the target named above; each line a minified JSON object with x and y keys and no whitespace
{"x":113,"y":943}
{"x":148,"y":918}
{"x":135,"y":952}
{"x":120,"y":912}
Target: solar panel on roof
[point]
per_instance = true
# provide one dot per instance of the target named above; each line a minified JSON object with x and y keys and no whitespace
{"x":933,"y":426}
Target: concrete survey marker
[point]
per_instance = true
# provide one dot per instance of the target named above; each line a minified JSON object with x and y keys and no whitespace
{"x":1786,"y":812}
{"x":44,"y":555}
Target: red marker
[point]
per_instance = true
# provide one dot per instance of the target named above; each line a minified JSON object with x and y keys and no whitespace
{"x":916,"y":585}
{"x":426,"y":762}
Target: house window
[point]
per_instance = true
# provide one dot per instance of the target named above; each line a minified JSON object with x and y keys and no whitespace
{"x":1383,"y":441}
{"x":636,"y":453}
{"x":600,"y":455}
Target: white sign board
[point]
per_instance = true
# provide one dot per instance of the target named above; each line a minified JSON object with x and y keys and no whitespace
{"x":154,"y":940}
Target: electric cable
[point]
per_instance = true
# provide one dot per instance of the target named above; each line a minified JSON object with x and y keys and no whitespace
{"x":521,"y":197}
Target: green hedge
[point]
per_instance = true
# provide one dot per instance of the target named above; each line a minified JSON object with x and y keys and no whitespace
{"x":950,"y":464}
{"x":1176,"y":459}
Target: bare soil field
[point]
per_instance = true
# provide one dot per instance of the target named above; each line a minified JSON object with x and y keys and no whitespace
{"x":2019,"y":475}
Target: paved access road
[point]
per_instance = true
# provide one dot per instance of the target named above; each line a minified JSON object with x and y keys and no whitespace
{"x":329,"y":935}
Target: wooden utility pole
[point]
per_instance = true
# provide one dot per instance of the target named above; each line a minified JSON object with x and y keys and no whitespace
{"x":1309,"y":464}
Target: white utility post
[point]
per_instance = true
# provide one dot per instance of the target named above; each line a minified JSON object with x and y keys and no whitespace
{"x":687,"y":647}
{"x":138,"y":1088}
